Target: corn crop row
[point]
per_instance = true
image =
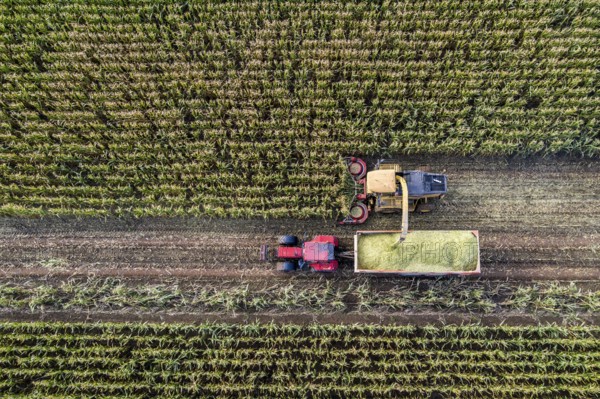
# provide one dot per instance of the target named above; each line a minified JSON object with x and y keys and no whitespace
{"x":268,"y":360}
{"x":243,"y":109}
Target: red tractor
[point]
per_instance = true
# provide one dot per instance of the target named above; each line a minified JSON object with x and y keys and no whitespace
{"x":318,"y":254}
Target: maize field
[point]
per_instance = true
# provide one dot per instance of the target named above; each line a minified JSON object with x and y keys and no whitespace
{"x":289,"y":361}
{"x":244,"y":109}
{"x":149,"y":148}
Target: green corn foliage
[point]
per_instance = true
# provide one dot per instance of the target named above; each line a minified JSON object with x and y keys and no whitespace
{"x":243,"y":109}
{"x":269,"y":360}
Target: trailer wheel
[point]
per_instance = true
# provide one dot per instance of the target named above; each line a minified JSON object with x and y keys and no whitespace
{"x":288,"y":240}
{"x":287,"y":266}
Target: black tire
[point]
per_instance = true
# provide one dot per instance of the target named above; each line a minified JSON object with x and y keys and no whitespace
{"x":303,"y":266}
{"x":423,"y":208}
{"x":288,"y":240}
{"x":287,"y":266}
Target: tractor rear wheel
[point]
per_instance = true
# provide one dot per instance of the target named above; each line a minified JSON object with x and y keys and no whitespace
{"x":288,"y":240}
{"x":287,"y":266}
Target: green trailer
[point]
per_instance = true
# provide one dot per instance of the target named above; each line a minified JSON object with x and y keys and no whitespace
{"x":420,"y":253}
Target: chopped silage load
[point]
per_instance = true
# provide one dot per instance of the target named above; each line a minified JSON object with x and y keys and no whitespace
{"x":422,"y":251}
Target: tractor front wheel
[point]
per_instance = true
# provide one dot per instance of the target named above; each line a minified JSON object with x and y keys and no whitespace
{"x":288,"y":240}
{"x":286,"y":266}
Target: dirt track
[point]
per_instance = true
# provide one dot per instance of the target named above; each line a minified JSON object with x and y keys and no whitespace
{"x":538,"y":220}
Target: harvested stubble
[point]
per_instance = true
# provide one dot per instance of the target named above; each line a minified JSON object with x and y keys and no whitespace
{"x":319,"y":296}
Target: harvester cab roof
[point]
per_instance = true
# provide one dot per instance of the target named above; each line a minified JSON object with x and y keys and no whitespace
{"x":381,"y":181}
{"x":419,"y":183}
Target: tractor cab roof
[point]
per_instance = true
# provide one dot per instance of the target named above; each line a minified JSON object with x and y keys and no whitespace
{"x":318,"y":251}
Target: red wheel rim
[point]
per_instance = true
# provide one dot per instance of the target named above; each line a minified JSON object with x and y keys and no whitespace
{"x":355,"y":169}
{"x":358,"y":211}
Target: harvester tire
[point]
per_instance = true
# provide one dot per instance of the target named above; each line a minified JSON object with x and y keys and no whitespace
{"x":425,"y":208}
{"x":287,"y":266}
{"x":288,"y":240}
